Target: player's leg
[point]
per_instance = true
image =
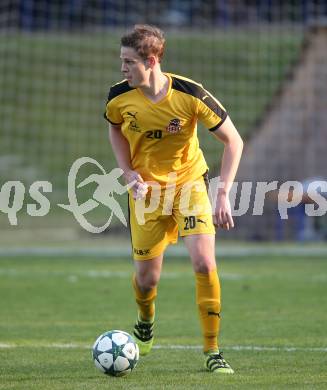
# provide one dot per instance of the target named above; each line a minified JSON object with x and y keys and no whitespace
{"x":201,"y":248}
{"x":199,"y":235}
{"x":145,"y":281}
{"x":198,"y":232}
{"x":149,"y":241}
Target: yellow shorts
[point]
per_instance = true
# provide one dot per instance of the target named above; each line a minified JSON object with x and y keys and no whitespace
{"x":185,"y":210}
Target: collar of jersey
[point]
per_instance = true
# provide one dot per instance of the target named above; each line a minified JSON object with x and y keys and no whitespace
{"x":163,"y":99}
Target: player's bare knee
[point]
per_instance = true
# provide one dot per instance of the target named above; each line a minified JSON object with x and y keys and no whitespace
{"x":204,"y":265}
{"x":147,"y":282}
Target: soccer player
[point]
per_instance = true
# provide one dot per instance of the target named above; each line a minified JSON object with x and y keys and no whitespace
{"x":153,"y":132}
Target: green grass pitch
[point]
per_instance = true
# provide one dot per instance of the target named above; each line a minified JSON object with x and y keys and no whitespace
{"x":273,"y":324}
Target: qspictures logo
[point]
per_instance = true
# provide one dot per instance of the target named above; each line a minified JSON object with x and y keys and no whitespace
{"x":12,"y":196}
{"x":108,"y":189}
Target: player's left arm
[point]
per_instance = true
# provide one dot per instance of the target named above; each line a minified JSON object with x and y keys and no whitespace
{"x":232,"y":140}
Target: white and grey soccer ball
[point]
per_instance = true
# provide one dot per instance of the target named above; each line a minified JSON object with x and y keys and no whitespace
{"x":115,"y":353}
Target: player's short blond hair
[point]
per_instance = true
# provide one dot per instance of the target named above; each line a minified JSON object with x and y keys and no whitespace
{"x":146,"y":40}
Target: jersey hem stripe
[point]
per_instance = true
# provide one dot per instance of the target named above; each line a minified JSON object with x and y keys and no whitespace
{"x":113,"y":123}
{"x":220,"y":123}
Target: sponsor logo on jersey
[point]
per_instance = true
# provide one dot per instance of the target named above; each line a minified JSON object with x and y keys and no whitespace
{"x":133,"y":115}
{"x":141,"y":252}
{"x":174,"y":126}
{"x":201,"y":221}
{"x":133,"y":126}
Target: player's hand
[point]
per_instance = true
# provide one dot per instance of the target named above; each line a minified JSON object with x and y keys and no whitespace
{"x":137,"y":184}
{"x":223,"y":214}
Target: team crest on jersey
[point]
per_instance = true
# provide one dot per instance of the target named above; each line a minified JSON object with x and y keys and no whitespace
{"x":174,"y":126}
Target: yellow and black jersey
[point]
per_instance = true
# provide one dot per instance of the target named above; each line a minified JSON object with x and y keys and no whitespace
{"x":163,"y":135}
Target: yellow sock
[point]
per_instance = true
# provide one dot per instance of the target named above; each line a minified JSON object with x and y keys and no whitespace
{"x":208,"y":301}
{"x":145,"y":302}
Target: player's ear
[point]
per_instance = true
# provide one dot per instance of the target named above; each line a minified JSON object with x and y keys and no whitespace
{"x":151,"y":61}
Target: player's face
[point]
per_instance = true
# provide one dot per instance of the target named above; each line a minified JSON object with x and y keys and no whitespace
{"x":134,"y":68}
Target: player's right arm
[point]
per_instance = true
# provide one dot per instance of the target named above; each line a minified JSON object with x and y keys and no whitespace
{"x":121,"y":150}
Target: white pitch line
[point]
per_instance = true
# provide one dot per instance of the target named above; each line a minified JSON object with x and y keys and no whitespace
{"x":173,"y":251}
{"x":248,"y":348}
{"x":256,"y":348}
{"x":73,"y":277}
